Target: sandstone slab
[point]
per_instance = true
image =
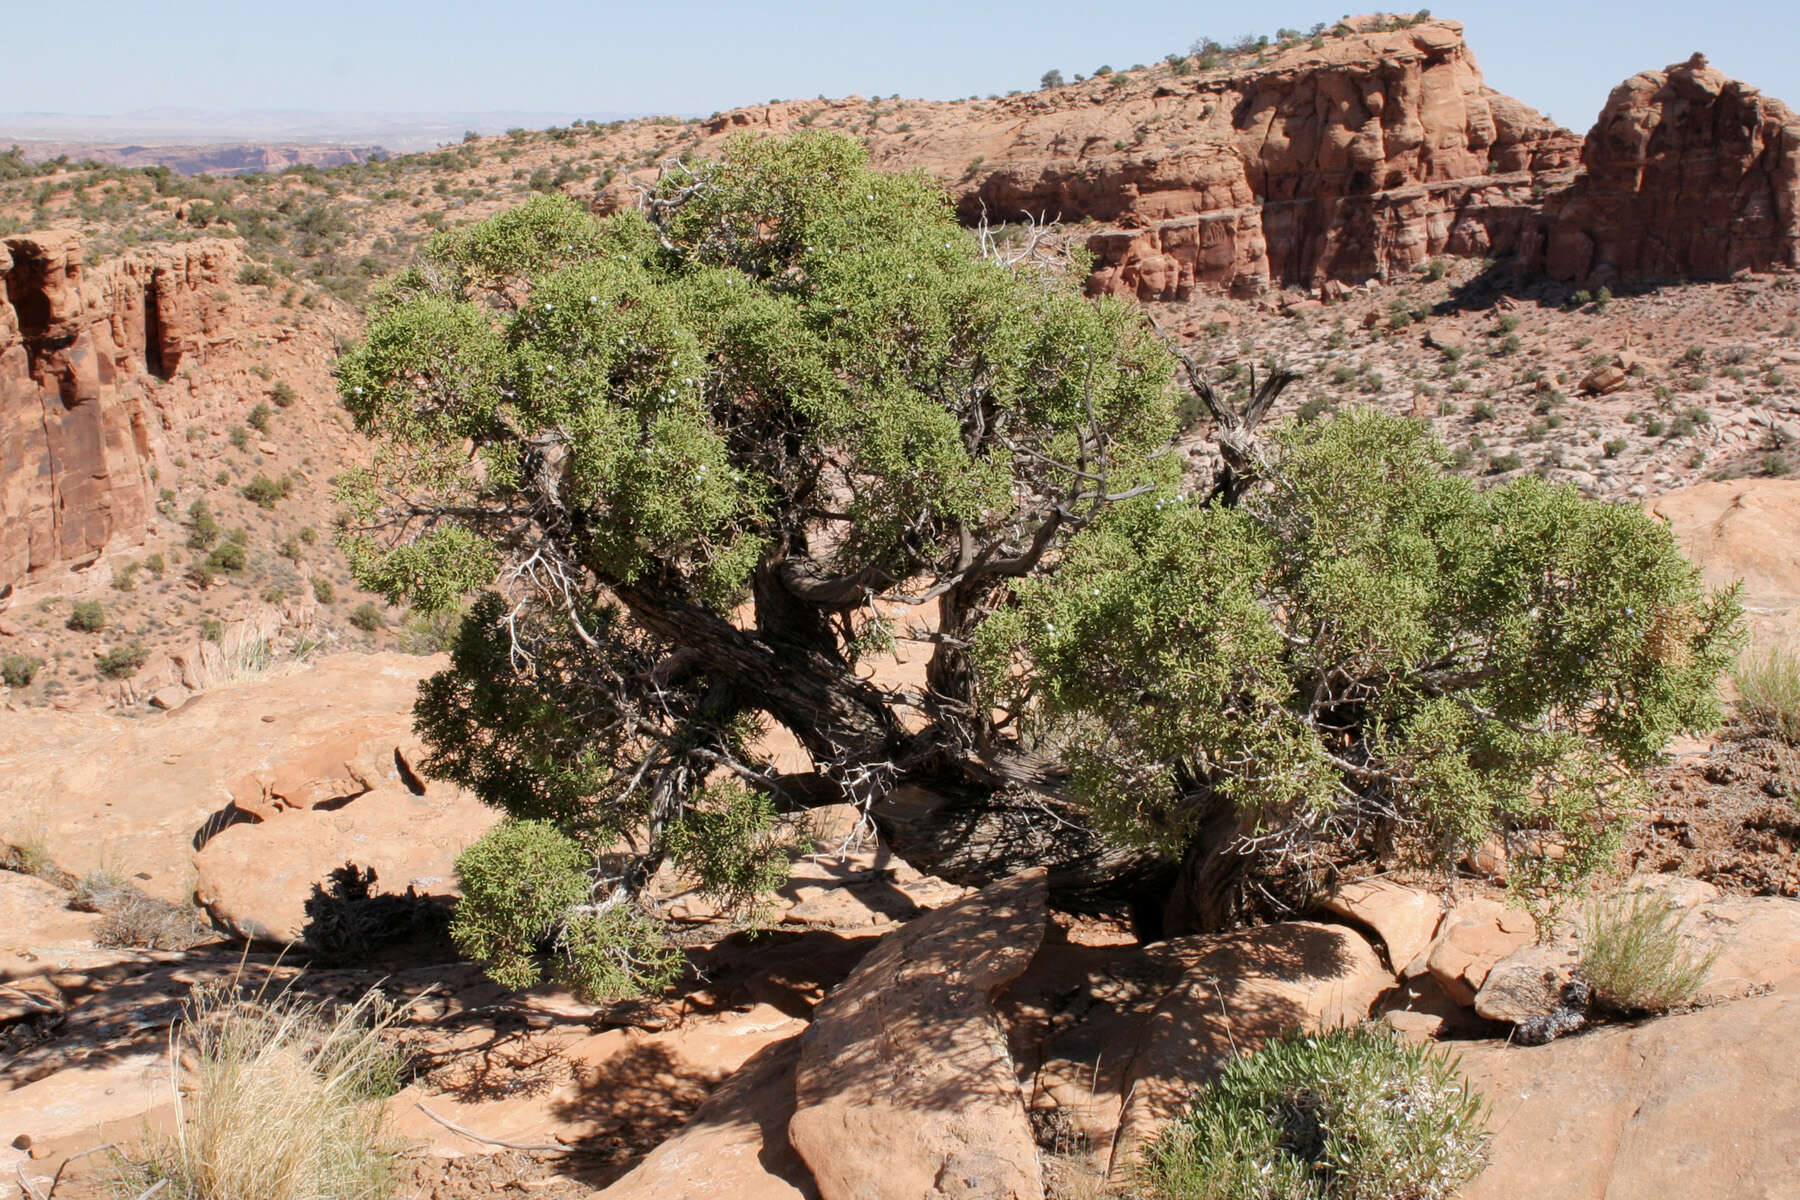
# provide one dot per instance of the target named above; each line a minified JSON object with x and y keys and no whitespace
{"x":905,"y":1087}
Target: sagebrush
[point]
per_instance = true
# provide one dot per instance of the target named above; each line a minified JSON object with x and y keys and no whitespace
{"x":1346,"y":1115}
{"x":1635,"y":957}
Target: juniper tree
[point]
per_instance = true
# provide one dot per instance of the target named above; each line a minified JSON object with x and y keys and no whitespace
{"x":695,"y":457}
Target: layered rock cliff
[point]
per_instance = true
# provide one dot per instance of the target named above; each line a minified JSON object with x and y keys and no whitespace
{"x":1360,"y":154}
{"x":1356,"y":155}
{"x":83,"y":355}
{"x":1687,"y":174}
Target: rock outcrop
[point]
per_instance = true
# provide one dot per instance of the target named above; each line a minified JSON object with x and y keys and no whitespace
{"x":1700,"y":1104}
{"x":1687,"y":174}
{"x":905,"y":1087}
{"x":81,"y":354}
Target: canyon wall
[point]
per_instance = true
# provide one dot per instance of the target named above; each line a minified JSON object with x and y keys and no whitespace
{"x":84,"y":354}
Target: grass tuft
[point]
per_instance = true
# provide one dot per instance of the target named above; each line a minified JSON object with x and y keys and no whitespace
{"x":1769,"y":692}
{"x":276,"y":1098}
{"x":1634,"y":957}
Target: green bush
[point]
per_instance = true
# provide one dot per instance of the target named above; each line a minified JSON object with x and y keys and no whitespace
{"x":1348,"y":1115}
{"x":527,"y":898}
{"x":282,"y":394}
{"x":259,"y":417}
{"x":203,"y":528}
{"x":122,"y":662}
{"x":1768,"y":688}
{"x":323,"y":592}
{"x":367,"y":617}
{"x":265,"y":492}
{"x":18,"y":670}
{"x":239,"y":437}
{"x":228,"y":555}
{"x":87,"y":617}
{"x":1634,"y":958}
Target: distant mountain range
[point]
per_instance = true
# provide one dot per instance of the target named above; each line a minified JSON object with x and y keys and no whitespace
{"x":193,"y":139}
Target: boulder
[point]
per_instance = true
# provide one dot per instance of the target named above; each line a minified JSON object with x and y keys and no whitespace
{"x":1703,"y":1104}
{"x":1403,"y":918}
{"x":1474,"y":936}
{"x":735,"y":1146}
{"x":255,"y":878}
{"x":133,"y":796}
{"x":1743,"y":529}
{"x":905,"y":1087}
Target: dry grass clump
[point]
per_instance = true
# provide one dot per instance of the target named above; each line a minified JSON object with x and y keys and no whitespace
{"x":133,"y":919}
{"x":1768,"y":687}
{"x":277,"y":1098}
{"x":1634,"y":957}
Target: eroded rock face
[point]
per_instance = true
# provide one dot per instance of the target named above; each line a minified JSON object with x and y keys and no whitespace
{"x":81,"y":354}
{"x":1357,"y":160}
{"x":1687,"y":174}
{"x":905,"y":1087}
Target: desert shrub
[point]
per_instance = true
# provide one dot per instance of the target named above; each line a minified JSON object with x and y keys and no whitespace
{"x":265,"y":492}
{"x":259,"y":417}
{"x":1634,"y":958}
{"x":283,"y":394}
{"x":1347,"y":1115}
{"x":228,"y":555}
{"x":203,"y":527}
{"x":521,"y":883}
{"x":122,"y":662}
{"x":283,"y":1099}
{"x":125,"y":578}
{"x":367,"y":617}
{"x":238,"y":437}
{"x":18,"y":670}
{"x":87,"y":617}
{"x":323,"y":592}
{"x":1768,"y":686}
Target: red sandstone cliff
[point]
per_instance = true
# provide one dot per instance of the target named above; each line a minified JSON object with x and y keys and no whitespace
{"x":1364,"y":157}
{"x":82,"y":355}
{"x":1686,"y":174}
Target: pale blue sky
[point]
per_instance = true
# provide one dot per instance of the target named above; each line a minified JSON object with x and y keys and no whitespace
{"x":695,"y":56}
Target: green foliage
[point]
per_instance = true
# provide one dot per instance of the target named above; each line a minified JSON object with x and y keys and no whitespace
{"x":1367,"y":645}
{"x":367,"y":617}
{"x":798,"y":296}
{"x":122,"y":662}
{"x":265,"y":492}
{"x":87,"y":617}
{"x":239,"y":437}
{"x":1768,"y":687}
{"x":527,"y":898}
{"x":1634,"y":958}
{"x":282,"y":394}
{"x":228,"y":555}
{"x":18,"y":670}
{"x":323,"y":592}
{"x":203,"y":527}
{"x":1346,"y":1115}
{"x":726,"y":844}
{"x":259,"y":417}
